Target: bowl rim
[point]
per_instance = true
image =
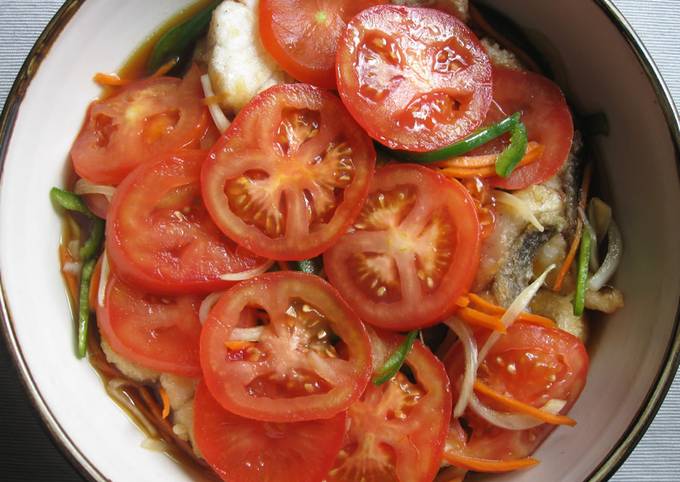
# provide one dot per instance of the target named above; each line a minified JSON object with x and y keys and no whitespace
{"x":611,"y":462}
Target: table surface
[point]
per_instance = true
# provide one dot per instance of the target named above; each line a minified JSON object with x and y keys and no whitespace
{"x":28,"y":453}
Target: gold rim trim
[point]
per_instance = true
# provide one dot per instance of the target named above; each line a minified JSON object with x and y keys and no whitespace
{"x":9,"y":114}
{"x":604,"y":471}
{"x":666,"y":374}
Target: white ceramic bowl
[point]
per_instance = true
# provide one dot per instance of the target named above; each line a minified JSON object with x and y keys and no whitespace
{"x":635,"y":354}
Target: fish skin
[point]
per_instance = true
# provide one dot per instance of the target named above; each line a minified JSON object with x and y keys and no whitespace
{"x":514,"y":243}
{"x":517,"y":270}
{"x":569,"y":177}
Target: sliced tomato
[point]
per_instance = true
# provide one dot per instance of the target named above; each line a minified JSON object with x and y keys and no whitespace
{"x":546,"y":115}
{"x":411,"y":252}
{"x":397,"y":430}
{"x":244,"y":450}
{"x":482,"y":194}
{"x":532,"y":364}
{"x":160,"y":237}
{"x":302,"y":35}
{"x":290,"y":174}
{"x":94,"y":284}
{"x":146,"y":119}
{"x":416,"y":79}
{"x":160,"y":333}
{"x":308,"y":358}
{"x":459,"y":8}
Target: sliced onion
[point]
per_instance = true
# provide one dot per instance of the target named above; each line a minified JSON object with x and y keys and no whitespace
{"x":207,"y":305}
{"x":244,"y":275}
{"x":470,"y":349}
{"x":247,"y":334}
{"x":554,"y":406}
{"x":599,"y":215}
{"x":220,"y":120}
{"x":516,"y":307}
{"x":520,"y":207}
{"x":103,"y":280}
{"x":115,"y":390}
{"x":154,"y":444}
{"x":83,"y":186}
{"x":181,"y":431}
{"x":611,"y":259}
{"x":513,"y":421}
{"x":73,"y":248}
{"x":72,"y":267}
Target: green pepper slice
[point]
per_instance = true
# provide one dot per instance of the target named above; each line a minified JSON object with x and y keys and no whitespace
{"x":395,"y":361}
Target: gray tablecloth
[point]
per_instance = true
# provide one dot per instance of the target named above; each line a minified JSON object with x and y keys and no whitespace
{"x":655,"y":459}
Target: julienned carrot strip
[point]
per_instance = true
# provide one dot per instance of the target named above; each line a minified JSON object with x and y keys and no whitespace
{"x":110,"y":80}
{"x":94,"y":284}
{"x":165,"y":68}
{"x":585,"y":186}
{"x":468,"y":162}
{"x":485,"y":304}
{"x":462,"y":301}
{"x":576,"y":242}
{"x":166,"y":402}
{"x":571,"y":255}
{"x":237,"y":345}
{"x":114,"y":80}
{"x":492,"y":309}
{"x":521,"y":407}
{"x":539,"y":320}
{"x":486,"y":171}
{"x":486,"y":465}
{"x":71,"y":279}
{"x":477,"y":318}
{"x":534,"y":150}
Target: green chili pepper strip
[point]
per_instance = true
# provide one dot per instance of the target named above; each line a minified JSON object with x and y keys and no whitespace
{"x":69,"y":201}
{"x":473,"y":141}
{"x":84,"y":306}
{"x":582,"y":273}
{"x":511,"y":155}
{"x":309,"y":266}
{"x":91,"y":246}
{"x":395,"y":361}
{"x":72,"y":202}
{"x":176,"y":41}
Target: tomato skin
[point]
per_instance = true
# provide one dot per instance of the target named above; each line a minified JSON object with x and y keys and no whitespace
{"x":396,"y":431}
{"x":452,"y":7}
{"x":290,"y":174}
{"x":538,"y":356}
{"x":435,"y":240}
{"x":546,"y":115}
{"x":416,"y":79}
{"x":160,"y":237}
{"x":146,"y":119}
{"x":244,"y":450}
{"x":287,"y":375}
{"x":302,"y":44}
{"x":158,"y":333}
